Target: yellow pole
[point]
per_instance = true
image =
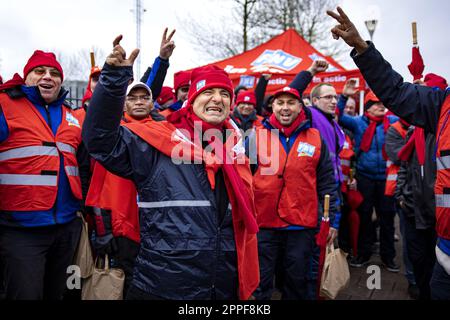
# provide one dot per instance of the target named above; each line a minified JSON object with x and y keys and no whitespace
{"x":326,"y":206}
{"x":414,"y":33}
{"x":92,"y":59}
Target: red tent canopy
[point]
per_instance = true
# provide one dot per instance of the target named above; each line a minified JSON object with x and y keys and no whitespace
{"x":284,"y":56}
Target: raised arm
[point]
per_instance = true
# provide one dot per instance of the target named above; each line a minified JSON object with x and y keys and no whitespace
{"x":102,"y":134}
{"x":416,"y":104}
{"x":304,"y":78}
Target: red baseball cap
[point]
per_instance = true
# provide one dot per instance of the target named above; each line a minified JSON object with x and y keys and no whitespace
{"x":288,"y":90}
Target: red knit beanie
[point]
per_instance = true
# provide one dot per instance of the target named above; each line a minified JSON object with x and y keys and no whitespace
{"x":41,"y":58}
{"x":207,"y":77}
{"x":165,"y":95}
{"x":246,"y":97}
{"x":433,"y":80}
{"x":181,"y":79}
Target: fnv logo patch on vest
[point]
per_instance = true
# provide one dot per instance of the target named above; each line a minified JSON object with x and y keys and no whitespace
{"x":71,"y":120}
{"x":305,"y":149}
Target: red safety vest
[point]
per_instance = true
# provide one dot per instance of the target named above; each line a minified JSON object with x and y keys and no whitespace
{"x":442,"y":186}
{"x":285,"y":185}
{"x":346,"y":156}
{"x":29,"y":158}
{"x":391,"y":168}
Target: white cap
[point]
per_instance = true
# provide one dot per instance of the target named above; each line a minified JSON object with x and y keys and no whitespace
{"x":138,"y":84}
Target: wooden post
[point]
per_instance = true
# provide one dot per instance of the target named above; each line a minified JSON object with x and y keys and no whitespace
{"x":326,"y":206}
{"x":92,"y":59}
{"x":414,"y":33}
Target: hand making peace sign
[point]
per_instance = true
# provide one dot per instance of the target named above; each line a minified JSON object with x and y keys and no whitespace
{"x":347,"y":31}
{"x":167,"y":46}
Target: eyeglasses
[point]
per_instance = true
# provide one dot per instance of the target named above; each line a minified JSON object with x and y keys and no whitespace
{"x":136,"y":98}
{"x":329,"y":97}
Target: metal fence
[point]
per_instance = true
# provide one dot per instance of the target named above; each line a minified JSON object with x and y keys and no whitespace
{"x":76,"y":91}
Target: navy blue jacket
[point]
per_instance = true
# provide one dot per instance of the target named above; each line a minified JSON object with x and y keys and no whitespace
{"x":418,"y":105}
{"x":187,"y":248}
{"x":370,"y":164}
{"x":66,"y":205}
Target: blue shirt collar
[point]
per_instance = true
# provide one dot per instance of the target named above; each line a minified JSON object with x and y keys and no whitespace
{"x":32,"y":93}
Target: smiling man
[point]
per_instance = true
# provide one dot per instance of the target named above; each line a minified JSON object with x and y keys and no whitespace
{"x":40,"y":186}
{"x":197,"y":221}
{"x":291,"y":196}
{"x":244,"y":114}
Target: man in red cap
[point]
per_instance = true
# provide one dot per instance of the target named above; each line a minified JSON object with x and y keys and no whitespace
{"x":244,"y":114}
{"x":40,"y":186}
{"x":181,"y":85}
{"x":165,"y":98}
{"x":293,"y":175}
{"x":197,"y":222}
{"x":369,"y":133}
{"x":92,"y":82}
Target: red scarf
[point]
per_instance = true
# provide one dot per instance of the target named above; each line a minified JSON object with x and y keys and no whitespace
{"x":288,"y":130}
{"x":367,"y":138}
{"x":184,"y":119}
{"x":14,"y":82}
{"x":417,"y":140}
{"x":127,"y":119}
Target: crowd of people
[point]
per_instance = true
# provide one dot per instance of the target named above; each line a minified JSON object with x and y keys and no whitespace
{"x":207,"y":191}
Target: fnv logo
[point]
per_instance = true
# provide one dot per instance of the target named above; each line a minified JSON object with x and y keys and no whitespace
{"x":305,"y":149}
{"x":278,"y":59}
{"x":200,"y":84}
{"x":71,"y":120}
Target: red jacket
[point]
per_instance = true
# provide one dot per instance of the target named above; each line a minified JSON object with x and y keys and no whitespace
{"x":30,"y":157}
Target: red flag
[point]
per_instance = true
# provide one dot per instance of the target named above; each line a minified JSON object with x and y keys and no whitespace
{"x":416,"y":66}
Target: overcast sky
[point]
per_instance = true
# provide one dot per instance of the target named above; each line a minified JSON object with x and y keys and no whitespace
{"x":26,"y":25}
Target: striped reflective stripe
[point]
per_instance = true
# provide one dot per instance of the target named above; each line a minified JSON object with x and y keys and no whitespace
{"x":31,"y":151}
{"x":64,"y":147}
{"x":389,"y":163}
{"x":442,"y":200}
{"x":72,"y":171}
{"x":443,"y":163}
{"x":392,"y":177}
{"x":345,"y":177}
{"x":175,"y":203}
{"x":28,"y":180}
{"x":345,"y":162}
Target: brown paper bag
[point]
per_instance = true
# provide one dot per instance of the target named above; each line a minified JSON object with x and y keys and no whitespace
{"x":83,"y":256}
{"x":335,"y":275}
{"x":104,"y":284}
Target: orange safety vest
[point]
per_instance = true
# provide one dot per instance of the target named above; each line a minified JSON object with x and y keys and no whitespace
{"x":442,"y":186}
{"x":30,"y":156}
{"x":285,"y":185}
{"x":346,"y":156}
{"x":391,"y":168}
